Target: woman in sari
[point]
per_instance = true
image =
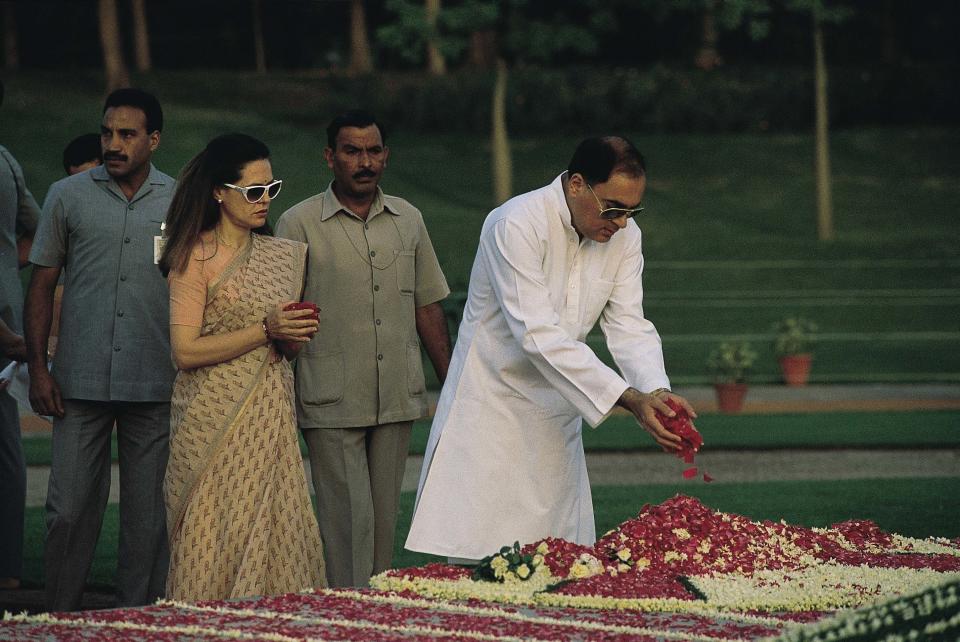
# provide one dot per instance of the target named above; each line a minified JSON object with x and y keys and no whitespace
{"x":239,"y":515}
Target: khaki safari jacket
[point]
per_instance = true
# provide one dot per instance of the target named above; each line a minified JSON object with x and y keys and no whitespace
{"x":363,"y":367}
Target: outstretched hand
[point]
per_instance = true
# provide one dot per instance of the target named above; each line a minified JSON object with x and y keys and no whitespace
{"x":644,"y":408}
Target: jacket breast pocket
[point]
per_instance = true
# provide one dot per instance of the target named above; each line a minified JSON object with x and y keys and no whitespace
{"x":406,"y":271}
{"x":320,"y":378}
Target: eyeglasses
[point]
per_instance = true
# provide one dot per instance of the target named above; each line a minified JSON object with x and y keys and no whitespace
{"x":254,"y":193}
{"x":610,"y":213}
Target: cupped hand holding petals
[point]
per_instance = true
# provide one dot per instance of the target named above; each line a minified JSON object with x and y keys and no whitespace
{"x":298,"y":324}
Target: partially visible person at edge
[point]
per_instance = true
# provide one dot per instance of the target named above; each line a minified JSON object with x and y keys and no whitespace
{"x":18,"y":222}
{"x":504,"y":461}
{"x":360,"y":383}
{"x":80,"y":154}
{"x":112,"y":366}
{"x":239,"y":513}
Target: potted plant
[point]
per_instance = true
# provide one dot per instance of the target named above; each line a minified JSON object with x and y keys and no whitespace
{"x":793,"y":344}
{"x":729,"y":363}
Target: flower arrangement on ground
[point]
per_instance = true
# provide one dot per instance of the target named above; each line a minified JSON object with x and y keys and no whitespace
{"x":682,"y":556}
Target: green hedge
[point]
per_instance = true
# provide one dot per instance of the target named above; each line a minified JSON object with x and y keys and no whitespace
{"x":580,"y":99}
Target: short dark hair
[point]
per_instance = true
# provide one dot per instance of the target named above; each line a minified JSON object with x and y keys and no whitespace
{"x":352,"y":118}
{"x":598,"y":157}
{"x":80,"y":150}
{"x":144,"y":101}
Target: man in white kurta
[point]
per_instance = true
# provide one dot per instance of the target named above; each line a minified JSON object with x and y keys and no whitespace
{"x":504,"y":461}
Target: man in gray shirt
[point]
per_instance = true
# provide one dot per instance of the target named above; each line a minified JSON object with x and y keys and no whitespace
{"x":18,"y":221}
{"x":101,"y":227}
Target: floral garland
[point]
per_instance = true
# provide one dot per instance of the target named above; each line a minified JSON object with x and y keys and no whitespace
{"x":933,"y":613}
{"x":347,"y":615}
{"x":681,"y":555}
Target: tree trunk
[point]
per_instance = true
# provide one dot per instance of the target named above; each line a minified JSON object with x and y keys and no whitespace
{"x":361,"y":58}
{"x":11,"y":50}
{"x":483,"y":49}
{"x":436,"y":64}
{"x":113,"y":64}
{"x":259,"y":49}
{"x":707,"y":57}
{"x":822,"y":156}
{"x":141,"y":36}
{"x":500,"y":139}
{"x":890,"y":46}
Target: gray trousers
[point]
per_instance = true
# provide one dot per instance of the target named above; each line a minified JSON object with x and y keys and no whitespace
{"x":80,"y":487}
{"x":357,"y":474}
{"x":13,"y":488}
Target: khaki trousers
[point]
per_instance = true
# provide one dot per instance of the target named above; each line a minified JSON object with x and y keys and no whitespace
{"x":357,"y":473}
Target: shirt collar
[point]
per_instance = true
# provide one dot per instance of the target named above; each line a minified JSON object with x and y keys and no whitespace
{"x":333,"y":206}
{"x":155,"y":177}
{"x":560,"y":202}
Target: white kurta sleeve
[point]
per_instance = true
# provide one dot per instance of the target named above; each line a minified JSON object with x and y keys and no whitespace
{"x":512,"y":255}
{"x":631,"y":338}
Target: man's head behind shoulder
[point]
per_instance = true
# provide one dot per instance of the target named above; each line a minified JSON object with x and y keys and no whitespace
{"x":81,"y":154}
{"x":130,"y":132}
{"x":604,"y":186}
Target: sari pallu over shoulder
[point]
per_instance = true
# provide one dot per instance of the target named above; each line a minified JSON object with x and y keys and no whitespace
{"x":208,"y":401}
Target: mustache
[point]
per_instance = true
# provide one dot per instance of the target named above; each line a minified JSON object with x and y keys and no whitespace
{"x":114,"y":156}
{"x":365,"y":173}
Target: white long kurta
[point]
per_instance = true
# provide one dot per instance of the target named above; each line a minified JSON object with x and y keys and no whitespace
{"x":504,"y":461}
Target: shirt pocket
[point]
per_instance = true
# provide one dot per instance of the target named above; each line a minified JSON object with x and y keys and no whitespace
{"x":406,"y":271}
{"x":600,"y":291}
{"x":320,"y":378}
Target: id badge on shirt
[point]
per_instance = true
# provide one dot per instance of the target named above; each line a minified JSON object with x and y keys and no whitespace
{"x":159,"y":242}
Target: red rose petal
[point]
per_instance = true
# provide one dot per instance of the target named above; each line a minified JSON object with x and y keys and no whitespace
{"x":707,"y":478}
{"x":690,"y":473}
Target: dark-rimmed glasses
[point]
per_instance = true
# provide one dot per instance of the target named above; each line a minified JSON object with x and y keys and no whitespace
{"x":254,"y":193}
{"x":610,"y":213}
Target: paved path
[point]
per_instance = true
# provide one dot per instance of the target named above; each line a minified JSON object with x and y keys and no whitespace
{"x":729,"y":466}
{"x":621,"y":469}
{"x":763,"y":399}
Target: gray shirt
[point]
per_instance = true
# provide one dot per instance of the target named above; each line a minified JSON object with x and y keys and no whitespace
{"x":18,"y":216}
{"x":114,"y":342}
{"x":363,"y":367}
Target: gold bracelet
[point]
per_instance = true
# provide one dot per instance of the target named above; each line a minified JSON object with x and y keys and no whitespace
{"x":656,"y":393}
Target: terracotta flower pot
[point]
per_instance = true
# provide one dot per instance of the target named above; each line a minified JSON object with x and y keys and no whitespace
{"x":730,"y":396}
{"x":796,"y":368}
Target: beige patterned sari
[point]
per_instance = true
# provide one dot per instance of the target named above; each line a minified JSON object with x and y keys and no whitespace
{"x":238,"y":510}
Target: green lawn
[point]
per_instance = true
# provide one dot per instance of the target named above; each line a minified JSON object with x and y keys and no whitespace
{"x":921,"y":429}
{"x":913,"y":507}
{"x":728,"y":232}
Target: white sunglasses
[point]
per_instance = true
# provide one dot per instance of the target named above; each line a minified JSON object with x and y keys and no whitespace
{"x":254,"y":193}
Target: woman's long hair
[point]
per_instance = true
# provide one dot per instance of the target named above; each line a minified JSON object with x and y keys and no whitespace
{"x":193,"y":209}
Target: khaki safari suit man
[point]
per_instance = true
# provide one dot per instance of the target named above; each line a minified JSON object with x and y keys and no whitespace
{"x":112,"y":365}
{"x":374,"y":274}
